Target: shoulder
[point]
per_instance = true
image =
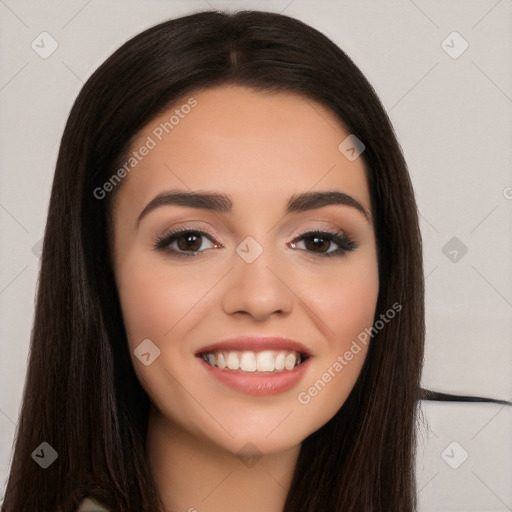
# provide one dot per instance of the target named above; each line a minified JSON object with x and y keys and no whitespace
{"x":91,"y":505}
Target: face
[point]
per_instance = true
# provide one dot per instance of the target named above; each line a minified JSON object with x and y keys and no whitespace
{"x":280,"y":284}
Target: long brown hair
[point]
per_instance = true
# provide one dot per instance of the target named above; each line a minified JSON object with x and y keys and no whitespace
{"x":81,"y":394}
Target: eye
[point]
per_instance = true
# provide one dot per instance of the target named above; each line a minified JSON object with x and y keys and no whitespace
{"x":321,"y":242}
{"x":188,"y":242}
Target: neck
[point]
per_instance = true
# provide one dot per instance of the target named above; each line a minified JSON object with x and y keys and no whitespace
{"x":196,"y":475}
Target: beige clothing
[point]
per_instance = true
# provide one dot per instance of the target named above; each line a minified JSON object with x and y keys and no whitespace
{"x":91,"y":505}
{"x":86,"y":505}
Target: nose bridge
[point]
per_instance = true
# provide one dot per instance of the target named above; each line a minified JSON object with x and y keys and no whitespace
{"x":256,"y":285}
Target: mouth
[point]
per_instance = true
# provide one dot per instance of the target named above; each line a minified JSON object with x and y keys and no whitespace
{"x":248,"y":361}
{"x":256,"y":366}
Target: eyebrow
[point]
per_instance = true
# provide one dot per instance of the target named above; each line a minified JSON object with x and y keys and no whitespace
{"x":222,"y":203}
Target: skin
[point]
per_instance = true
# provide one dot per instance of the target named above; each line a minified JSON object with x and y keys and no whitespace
{"x":260,"y":149}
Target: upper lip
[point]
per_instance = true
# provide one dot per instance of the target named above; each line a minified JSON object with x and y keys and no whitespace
{"x":255,"y":344}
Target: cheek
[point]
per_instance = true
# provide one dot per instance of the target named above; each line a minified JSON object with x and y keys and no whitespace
{"x":344,"y":303}
{"x":351,"y":307}
{"x":157,"y":303}
{"x":143,"y":305}
{"x":344,"y":300}
{"x":155,"y":297}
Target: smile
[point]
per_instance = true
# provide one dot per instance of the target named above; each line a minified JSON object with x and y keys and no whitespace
{"x":247,"y":361}
{"x":255,"y":365}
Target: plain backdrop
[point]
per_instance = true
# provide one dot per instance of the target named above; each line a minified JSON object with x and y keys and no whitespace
{"x":443,"y":72}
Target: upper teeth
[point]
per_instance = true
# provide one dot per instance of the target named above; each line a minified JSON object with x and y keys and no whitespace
{"x":248,"y":361}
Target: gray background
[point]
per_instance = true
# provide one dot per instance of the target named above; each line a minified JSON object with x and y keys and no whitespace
{"x":452,"y":117}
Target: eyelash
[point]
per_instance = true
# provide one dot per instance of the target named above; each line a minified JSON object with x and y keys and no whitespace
{"x":344,"y":242}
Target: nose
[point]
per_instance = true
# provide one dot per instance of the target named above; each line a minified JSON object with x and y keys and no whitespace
{"x":258,"y":289}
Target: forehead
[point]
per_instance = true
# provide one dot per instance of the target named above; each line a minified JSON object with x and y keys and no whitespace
{"x":248,"y":143}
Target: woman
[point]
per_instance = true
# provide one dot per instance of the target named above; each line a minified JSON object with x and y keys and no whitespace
{"x":278,"y":367}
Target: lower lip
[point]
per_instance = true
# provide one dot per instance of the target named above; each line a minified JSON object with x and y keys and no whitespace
{"x":258,"y":384}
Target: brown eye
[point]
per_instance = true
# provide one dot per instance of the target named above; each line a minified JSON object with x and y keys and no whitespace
{"x":320,"y":242}
{"x":314,"y":242}
{"x":191,"y":242}
{"x":184,"y":242}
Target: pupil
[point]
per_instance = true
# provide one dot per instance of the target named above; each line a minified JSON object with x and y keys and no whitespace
{"x":190,"y":239}
{"x":315,"y":242}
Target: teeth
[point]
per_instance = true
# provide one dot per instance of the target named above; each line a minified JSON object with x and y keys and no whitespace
{"x":289,"y":361}
{"x":221,"y":362}
{"x":250,"y":362}
{"x":265,"y":362}
{"x":233,"y":361}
